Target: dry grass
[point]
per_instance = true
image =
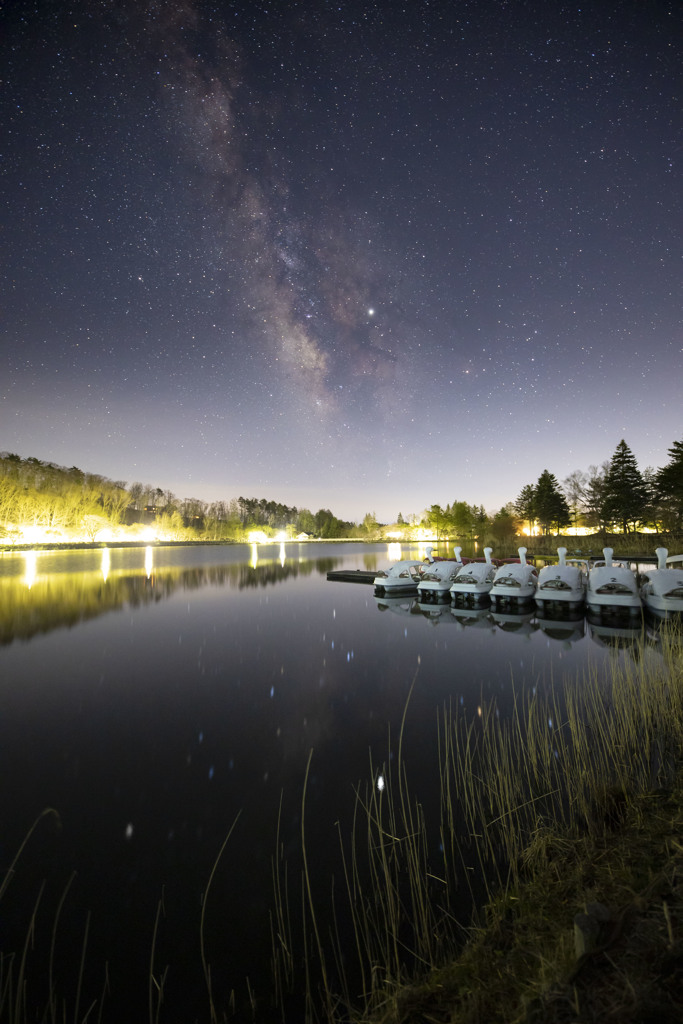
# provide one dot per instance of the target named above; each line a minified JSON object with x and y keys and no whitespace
{"x":573,"y":799}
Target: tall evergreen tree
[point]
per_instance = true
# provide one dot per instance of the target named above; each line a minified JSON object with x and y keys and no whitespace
{"x":669,"y":484}
{"x":550,"y":503}
{"x":525,"y":505}
{"x":625,"y":498}
{"x":462,"y":518}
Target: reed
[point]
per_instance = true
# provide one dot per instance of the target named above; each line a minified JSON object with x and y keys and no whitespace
{"x":206,"y":966}
{"x":15,"y":1003}
{"x":573,"y":757}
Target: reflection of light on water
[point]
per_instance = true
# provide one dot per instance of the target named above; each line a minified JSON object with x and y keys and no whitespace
{"x":253,"y":561}
{"x":282,"y":554}
{"x":394,"y":552}
{"x":106,"y":563}
{"x":30,"y":560}
{"x":149,"y":560}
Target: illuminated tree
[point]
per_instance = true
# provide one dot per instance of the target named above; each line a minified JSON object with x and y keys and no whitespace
{"x":436,"y":518}
{"x":505,"y":526}
{"x":525,"y":505}
{"x":370,"y":524}
{"x":462,"y":519}
{"x":550,"y":504}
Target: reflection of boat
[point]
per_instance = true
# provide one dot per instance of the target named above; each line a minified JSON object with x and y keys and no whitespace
{"x":438,"y":577}
{"x":514,"y":582}
{"x":435,"y":613}
{"x":564,"y":583}
{"x":662,"y":588}
{"x":612,"y":585}
{"x":401,"y":576}
{"x":522,"y":623}
{"x":474,"y":580}
{"x":401,"y":605}
{"x":561,"y":628}
{"x":608,"y":635}
{"x":474,"y":618}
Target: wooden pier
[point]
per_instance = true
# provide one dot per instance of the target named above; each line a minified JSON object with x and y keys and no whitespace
{"x":352,"y":575}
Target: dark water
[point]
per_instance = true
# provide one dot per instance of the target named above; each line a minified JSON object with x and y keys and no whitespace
{"x":155,"y":698}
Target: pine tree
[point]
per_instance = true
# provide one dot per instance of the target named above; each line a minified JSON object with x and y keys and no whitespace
{"x":625,"y":498}
{"x":550,"y":503}
{"x":525,"y":505}
{"x":669,"y":485}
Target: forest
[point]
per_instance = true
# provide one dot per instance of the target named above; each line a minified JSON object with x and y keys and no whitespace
{"x":41,"y":502}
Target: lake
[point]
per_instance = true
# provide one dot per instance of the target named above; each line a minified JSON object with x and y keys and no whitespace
{"x":155,"y":698}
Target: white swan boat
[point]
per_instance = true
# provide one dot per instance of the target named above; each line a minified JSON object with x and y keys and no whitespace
{"x":564,"y":583}
{"x":612,"y":585}
{"x":515,"y":582}
{"x":661,"y":589}
{"x":402,"y":576}
{"x":438,"y":577}
{"x":474,"y":580}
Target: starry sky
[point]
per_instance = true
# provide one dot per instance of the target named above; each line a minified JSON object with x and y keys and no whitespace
{"x":360,"y":256}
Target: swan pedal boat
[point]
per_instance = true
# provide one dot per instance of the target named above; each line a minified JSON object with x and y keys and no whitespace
{"x":401,"y":576}
{"x":438,"y":577}
{"x":563,"y":584}
{"x":661,"y":589}
{"x":475,"y":579}
{"x":612,"y":585}
{"x":516,"y":582}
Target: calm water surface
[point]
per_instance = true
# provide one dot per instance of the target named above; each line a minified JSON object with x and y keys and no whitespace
{"x":152,"y":697}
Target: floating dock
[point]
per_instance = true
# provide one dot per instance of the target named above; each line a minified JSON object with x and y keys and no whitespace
{"x":352,"y":575}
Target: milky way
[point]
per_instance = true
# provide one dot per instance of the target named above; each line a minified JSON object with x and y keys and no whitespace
{"x":364,"y":257}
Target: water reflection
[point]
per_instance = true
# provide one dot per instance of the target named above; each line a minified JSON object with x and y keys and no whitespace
{"x":39,"y":601}
{"x":106,"y":563}
{"x":30,"y":559}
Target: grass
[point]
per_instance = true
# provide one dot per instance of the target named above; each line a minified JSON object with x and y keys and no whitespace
{"x":575,"y":800}
{"x":522,"y":964}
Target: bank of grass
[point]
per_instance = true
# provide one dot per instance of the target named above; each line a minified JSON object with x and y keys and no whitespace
{"x":569,"y":814}
{"x":592,"y":932}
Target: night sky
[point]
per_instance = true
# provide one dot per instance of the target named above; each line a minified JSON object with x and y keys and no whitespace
{"x":365,"y":257}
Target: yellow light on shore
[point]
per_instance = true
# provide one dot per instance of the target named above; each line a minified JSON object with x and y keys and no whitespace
{"x":258,"y":537}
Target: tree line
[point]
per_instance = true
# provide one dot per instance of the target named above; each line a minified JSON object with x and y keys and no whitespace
{"x":59,"y":499}
{"x":614,"y":495}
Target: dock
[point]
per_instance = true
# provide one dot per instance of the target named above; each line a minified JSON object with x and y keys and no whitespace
{"x":352,"y":575}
